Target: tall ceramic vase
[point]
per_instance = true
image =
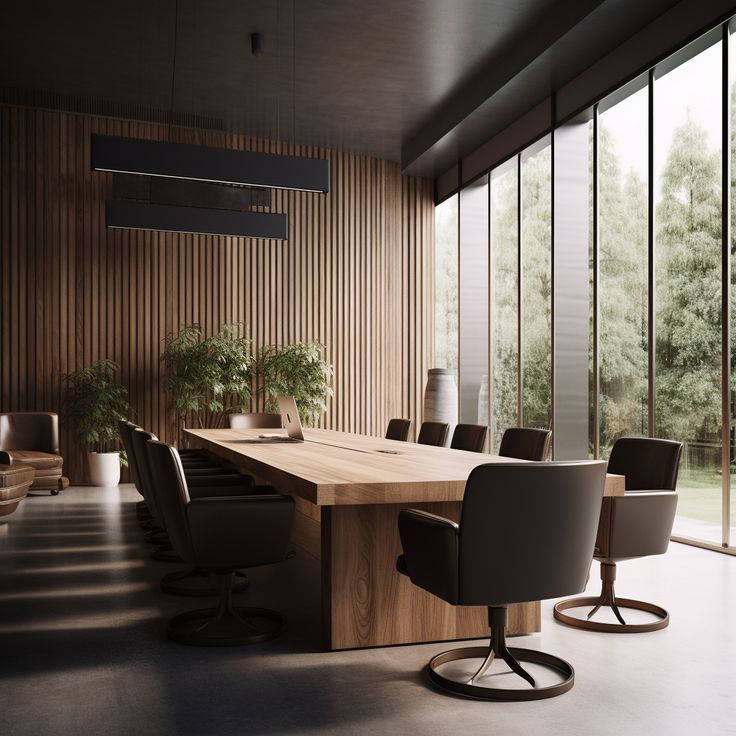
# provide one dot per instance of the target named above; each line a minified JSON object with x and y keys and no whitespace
{"x":440,"y":397}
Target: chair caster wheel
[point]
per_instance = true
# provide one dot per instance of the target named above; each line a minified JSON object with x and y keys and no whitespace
{"x":54,"y":492}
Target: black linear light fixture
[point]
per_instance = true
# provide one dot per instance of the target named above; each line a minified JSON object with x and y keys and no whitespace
{"x":218,"y":165}
{"x":130,"y":215}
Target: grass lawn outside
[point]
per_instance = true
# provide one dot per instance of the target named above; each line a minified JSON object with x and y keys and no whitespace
{"x":699,"y":504}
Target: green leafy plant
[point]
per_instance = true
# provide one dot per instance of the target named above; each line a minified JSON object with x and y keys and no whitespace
{"x":206,"y":376}
{"x":95,"y":402}
{"x":297,"y":370}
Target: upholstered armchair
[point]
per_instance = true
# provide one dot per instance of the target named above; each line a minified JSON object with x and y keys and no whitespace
{"x":32,"y":438}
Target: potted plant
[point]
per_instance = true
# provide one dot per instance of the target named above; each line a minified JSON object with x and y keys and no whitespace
{"x":95,"y":403}
{"x":297,"y":370}
{"x":206,"y":376}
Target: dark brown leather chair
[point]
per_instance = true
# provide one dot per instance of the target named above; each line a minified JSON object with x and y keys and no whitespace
{"x":398,"y":429}
{"x":190,"y":581}
{"x":471,"y":437}
{"x":526,"y":533}
{"x":220,"y":535}
{"x":255,"y":420}
{"x":195,"y":462}
{"x":433,"y":433}
{"x":637,"y":524}
{"x":32,"y":437}
{"x":525,"y":443}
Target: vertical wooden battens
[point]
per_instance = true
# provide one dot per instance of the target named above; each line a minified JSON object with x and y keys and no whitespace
{"x":354,"y":275}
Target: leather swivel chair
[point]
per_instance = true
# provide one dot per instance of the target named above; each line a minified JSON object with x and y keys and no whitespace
{"x":433,"y":433}
{"x":525,"y":443}
{"x":154,"y":533}
{"x":32,"y":437}
{"x":190,"y":581}
{"x":255,"y":420}
{"x":471,"y":437}
{"x":637,"y":524}
{"x":220,"y":535}
{"x":398,"y":429}
{"x":526,"y":533}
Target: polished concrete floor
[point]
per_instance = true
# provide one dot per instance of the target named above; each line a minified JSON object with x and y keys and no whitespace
{"x":82,"y":648}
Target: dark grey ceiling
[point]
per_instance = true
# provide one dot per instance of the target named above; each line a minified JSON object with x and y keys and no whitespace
{"x":368,"y":76}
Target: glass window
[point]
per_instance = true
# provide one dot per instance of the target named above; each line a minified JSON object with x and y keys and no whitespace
{"x":473,"y":359}
{"x":504,"y":300}
{"x":687,"y":187}
{"x":536,"y":285}
{"x":623,"y":269}
{"x":445,"y":284}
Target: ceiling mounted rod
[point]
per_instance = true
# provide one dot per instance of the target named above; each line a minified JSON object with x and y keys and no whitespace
{"x":221,"y":165}
{"x":198,"y":220}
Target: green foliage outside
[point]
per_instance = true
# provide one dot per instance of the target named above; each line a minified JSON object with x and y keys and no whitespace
{"x":687,"y":306}
{"x":209,"y":378}
{"x":95,"y":402}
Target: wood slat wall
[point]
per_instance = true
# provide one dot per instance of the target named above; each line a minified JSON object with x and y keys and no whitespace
{"x":355,"y":274}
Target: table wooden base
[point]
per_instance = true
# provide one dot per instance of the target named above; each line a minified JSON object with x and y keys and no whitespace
{"x":365,"y":602}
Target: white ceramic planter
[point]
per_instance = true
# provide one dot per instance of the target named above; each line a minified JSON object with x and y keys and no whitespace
{"x":440,"y":397}
{"x":104,"y":468}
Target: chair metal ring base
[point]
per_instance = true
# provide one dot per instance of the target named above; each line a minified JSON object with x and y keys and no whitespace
{"x":490,"y":693}
{"x":194,"y":583}
{"x":210,"y":627}
{"x":579,"y":623}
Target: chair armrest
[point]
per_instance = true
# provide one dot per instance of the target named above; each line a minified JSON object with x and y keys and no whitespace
{"x":229,"y":532}
{"x":431,"y":545}
{"x":638,"y":524}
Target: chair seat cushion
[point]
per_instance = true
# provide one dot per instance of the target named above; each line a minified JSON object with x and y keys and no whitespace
{"x":48,"y":472}
{"x":37,"y":459}
{"x":401,"y":565}
{"x":13,"y":494}
{"x":14,"y":474}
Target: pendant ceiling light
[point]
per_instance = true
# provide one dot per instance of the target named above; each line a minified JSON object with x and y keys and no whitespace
{"x":177,"y":211}
{"x":219,"y":165}
{"x":200,"y":220}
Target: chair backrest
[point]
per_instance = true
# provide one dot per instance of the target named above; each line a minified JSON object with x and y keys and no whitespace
{"x":398,"y":429}
{"x":138,"y":440}
{"x":172,"y":495}
{"x":647,"y":463}
{"x":470,"y":437}
{"x":125,"y":429}
{"x":255,"y":420}
{"x":525,"y":443}
{"x":433,"y":433}
{"x":29,"y":430}
{"x":528,"y":531}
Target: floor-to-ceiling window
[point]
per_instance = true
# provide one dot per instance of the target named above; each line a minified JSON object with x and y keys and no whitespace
{"x":662,"y":329}
{"x":622,"y":159}
{"x":536,"y":285}
{"x":687,"y":263}
{"x":445,"y":284}
{"x":504,"y":362}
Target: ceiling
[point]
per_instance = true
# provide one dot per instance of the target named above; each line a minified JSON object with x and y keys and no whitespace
{"x":417,"y":81}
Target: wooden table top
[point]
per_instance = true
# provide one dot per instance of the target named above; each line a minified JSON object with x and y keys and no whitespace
{"x":334,"y":468}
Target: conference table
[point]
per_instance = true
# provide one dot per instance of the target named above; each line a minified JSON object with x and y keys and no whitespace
{"x":348,"y":491}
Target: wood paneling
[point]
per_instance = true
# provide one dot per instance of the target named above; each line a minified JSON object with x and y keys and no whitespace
{"x":355,"y":275}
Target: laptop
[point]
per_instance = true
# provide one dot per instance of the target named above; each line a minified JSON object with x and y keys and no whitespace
{"x":289,"y":420}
